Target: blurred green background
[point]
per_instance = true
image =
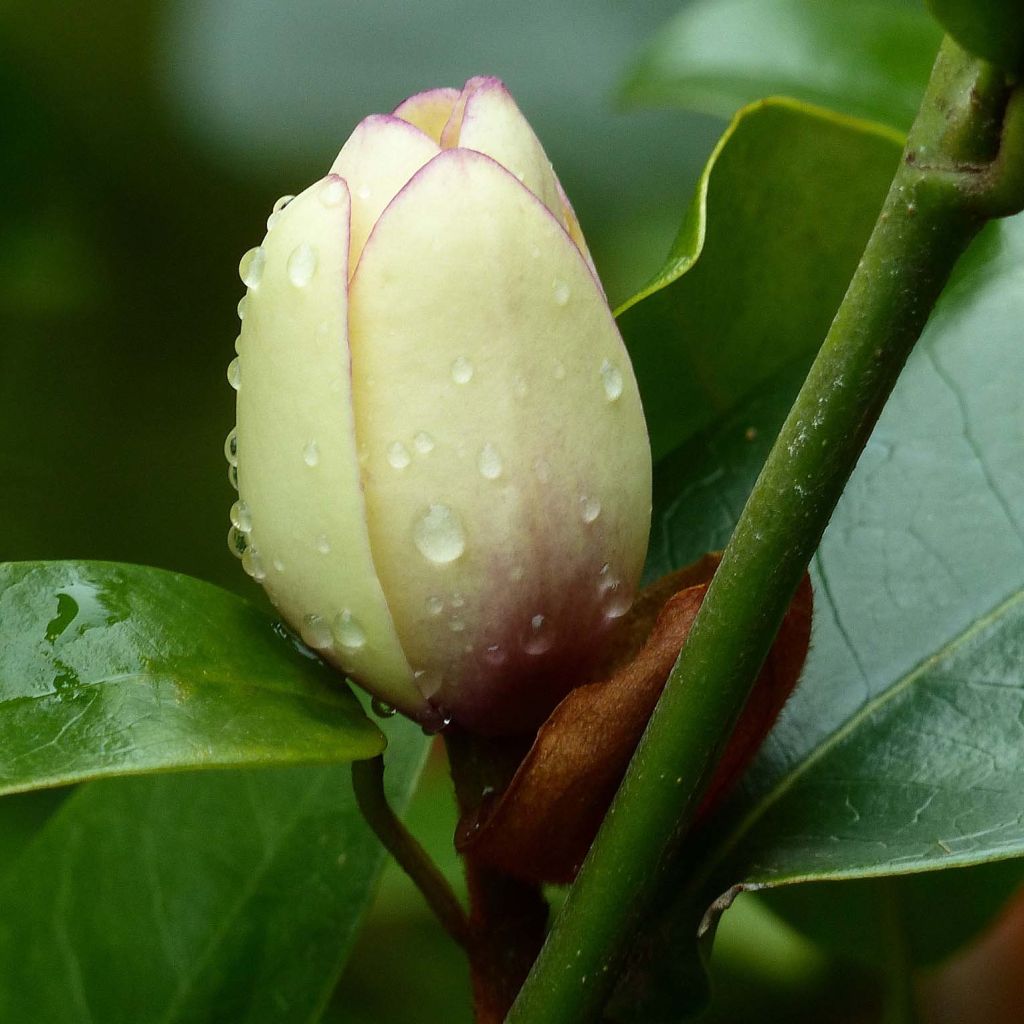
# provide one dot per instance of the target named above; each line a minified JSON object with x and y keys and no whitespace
{"x":143,"y":144}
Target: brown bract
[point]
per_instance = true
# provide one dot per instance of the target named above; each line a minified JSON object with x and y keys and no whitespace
{"x":540,"y":827}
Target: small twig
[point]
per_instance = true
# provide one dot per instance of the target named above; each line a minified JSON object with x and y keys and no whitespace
{"x":368,"y":783}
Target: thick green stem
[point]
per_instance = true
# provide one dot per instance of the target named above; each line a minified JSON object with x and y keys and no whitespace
{"x":937,"y":202}
{"x":368,"y":783}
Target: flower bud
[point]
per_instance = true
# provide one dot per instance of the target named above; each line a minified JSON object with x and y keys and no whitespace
{"x":443,"y":468}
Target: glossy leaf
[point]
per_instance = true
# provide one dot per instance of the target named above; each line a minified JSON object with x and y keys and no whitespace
{"x":802,"y":188}
{"x":118,"y":670}
{"x":902,"y":749}
{"x":860,"y":57}
{"x":226,"y":896}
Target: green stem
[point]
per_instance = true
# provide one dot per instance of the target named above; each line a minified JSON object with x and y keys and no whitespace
{"x":368,"y":783}
{"x":937,"y":202}
{"x":900,"y":1005}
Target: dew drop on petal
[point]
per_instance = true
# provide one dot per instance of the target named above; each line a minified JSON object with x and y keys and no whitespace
{"x":561,"y":292}
{"x":323,"y":545}
{"x":235,"y":373}
{"x":494,"y":654}
{"x":611,"y":379}
{"x":462,"y":370}
{"x":434,"y":605}
{"x":489,"y":462}
{"x":539,"y":636}
{"x":253,"y":564}
{"x":231,"y":447}
{"x":250,"y":267}
{"x":278,"y":565}
{"x":439,"y":535}
{"x":457,"y":600}
{"x":590,"y":508}
{"x":241,"y":517}
{"x":457,"y":625}
{"x":238,"y":345}
{"x":423,"y":443}
{"x":302,"y":265}
{"x":398,"y":455}
{"x":233,"y":476}
{"x":237,"y":542}
{"x":242,"y":303}
{"x":333,"y":192}
{"x":311,"y":454}
{"x":348,"y":632}
{"x":315,"y":632}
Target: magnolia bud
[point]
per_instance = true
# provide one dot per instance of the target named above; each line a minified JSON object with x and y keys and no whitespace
{"x":443,"y":468}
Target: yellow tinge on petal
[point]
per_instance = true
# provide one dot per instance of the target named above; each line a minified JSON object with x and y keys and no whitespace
{"x":298,"y":468}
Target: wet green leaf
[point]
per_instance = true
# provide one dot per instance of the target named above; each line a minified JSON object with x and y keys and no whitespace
{"x":902,"y":750}
{"x":868,"y":59}
{"x":801,"y":187}
{"x":119,"y":670}
{"x":193,"y":899}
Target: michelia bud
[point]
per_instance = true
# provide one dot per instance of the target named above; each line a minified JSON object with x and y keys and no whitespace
{"x":443,"y":468}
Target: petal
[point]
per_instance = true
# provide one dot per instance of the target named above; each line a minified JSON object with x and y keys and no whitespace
{"x":515,"y":532}
{"x":429,"y":111}
{"x":486,"y":119}
{"x":380,"y":156}
{"x":298,"y":469}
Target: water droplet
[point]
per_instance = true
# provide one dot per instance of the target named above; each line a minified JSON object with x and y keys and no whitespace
{"x":253,"y":564}
{"x":231,"y":447}
{"x":439,"y":535}
{"x":423,"y":443}
{"x":235,"y":373}
{"x":561,"y":291}
{"x":250,"y":267}
{"x":315,"y":632}
{"x":275,"y":213}
{"x":233,"y":476}
{"x":302,"y":265}
{"x":348,"y":632}
{"x":489,"y":462}
{"x":278,"y":565}
{"x":363,"y":191}
{"x":434,"y":605}
{"x":243,"y":302}
{"x":238,"y":345}
{"x":458,"y":601}
{"x":611,"y":378}
{"x":614,"y":597}
{"x":381,"y":708}
{"x":457,"y":625}
{"x":494,"y":654}
{"x":590,"y":508}
{"x":398,"y":455}
{"x":241,"y":516}
{"x":323,"y":545}
{"x":462,"y":370}
{"x":311,"y":454}
{"x":543,"y":469}
{"x":237,"y":542}
{"x":539,"y":637}
{"x":559,"y":371}
{"x":333,"y":191}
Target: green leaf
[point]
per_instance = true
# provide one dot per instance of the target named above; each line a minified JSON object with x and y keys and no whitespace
{"x":801,"y":187}
{"x":993,"y":29}
{"x":176,"y":899}
{"x":867,"y":59}
{"x":118,"y":670}
{"x":902,"y":750}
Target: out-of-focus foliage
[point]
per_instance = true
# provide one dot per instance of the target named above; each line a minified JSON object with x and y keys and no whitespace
{"x":868,"y":58}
